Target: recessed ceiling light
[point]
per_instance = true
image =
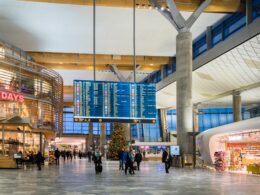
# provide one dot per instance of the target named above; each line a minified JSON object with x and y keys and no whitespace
{"x":151,"y":64}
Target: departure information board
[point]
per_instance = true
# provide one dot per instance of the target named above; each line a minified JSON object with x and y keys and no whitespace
{"x":101,"y":101}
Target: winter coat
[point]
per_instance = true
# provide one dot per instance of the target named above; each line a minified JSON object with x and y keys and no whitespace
{"x":138,"y":157}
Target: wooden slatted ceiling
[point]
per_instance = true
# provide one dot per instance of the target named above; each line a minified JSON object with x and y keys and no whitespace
{"x":73,"y":61}
{"x":216,"y":6}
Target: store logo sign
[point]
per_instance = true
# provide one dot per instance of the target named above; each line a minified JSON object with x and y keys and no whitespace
{"x":235,"y":138}
{"x":10,"y":96}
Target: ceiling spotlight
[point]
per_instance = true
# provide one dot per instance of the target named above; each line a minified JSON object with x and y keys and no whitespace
{"x":151,"y":64}
{"x":138,"y":6}
{"x":150,"y":7}
{"x":162,"y":8}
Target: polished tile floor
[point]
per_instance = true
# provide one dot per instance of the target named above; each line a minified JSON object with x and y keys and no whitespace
{"x":78,"y":177}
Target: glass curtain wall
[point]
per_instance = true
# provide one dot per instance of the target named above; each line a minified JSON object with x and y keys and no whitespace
{"x":208,"y":118}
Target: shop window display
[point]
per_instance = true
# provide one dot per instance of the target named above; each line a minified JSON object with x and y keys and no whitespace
{"x":31,"y":103}
{"x":14,"y":143}
{"x":238,"y":152}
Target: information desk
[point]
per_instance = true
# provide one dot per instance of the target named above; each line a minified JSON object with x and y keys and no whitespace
{"x":255,"y":169}
{"x":7,"y":163}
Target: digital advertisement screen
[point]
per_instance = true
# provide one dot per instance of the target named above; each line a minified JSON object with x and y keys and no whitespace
{"x":101,"y":101}
{"x":175,"y":150}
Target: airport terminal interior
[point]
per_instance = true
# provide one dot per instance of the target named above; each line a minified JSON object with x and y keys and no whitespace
{"x":130,"y":97}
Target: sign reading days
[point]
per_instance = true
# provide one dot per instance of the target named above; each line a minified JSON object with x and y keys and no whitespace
{"x":11,"y":96}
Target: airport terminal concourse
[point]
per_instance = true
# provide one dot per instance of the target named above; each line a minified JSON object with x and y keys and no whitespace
{"x":130,"y":97}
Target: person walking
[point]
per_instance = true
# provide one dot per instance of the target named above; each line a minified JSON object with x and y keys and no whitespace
{"x":167,"y":159}
{"x":67,"y":154}
{"x":98,"y":161}
{"x":124,"y":157}
{"x":63,"y":154}
{"x":89,"y":154}
{"x":74,"y":153}
{"x":39,"y":160}
{"x":129,"y":163}
{"x":138,"y":159}
{"x":57,"y":156}
{"x":80,"y":154}
{"x":120,"y":158}
{"x":70,"y":155}
{"x":131,"y":156}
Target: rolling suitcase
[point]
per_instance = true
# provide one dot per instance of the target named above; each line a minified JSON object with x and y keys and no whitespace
{"x":99,"y":168}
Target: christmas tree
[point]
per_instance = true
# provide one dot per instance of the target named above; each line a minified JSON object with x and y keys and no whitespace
{"x":117,"y":142}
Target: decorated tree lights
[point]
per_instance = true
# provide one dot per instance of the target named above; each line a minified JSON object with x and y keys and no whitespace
{"x":117,"y":142}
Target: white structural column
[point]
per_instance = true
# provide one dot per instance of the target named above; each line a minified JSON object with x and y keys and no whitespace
{"x":90,"y":142}
{"x":163,"y":124}
{"x":102,"y":140}
{"x":184,"y":91}
{"x":86,"y":145}
{"x":127,"y":131}
{"x":195,"y":118}
{"x":138,"y":131}
{"x":184,"y":71}
{"x":236,"y":106}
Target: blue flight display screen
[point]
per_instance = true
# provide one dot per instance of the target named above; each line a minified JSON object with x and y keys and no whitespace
{"x":102,"y":101}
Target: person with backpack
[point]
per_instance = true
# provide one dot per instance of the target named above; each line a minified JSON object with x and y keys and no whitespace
{"x":138,"y":159}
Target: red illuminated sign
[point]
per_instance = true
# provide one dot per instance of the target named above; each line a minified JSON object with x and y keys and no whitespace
{"x":11,"y":96}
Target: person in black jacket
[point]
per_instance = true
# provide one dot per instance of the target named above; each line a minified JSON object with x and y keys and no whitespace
{"x":129,"y":162}
{"x":120,"y":158}
{"x":167,"y":159}
{"x":138,"y":159}
{"x":57,"y":156}
{"x":39,"y":160}
{"x":97,"y":158}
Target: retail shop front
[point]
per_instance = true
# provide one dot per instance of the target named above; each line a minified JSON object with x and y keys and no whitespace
{"x":234,"y":147}
{"x":30,"y":107}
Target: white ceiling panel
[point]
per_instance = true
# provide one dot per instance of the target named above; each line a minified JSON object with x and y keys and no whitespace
{"x":68,"y":28}
{"x":235,"y":69}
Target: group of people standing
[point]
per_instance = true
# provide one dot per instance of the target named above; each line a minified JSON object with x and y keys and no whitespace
{"x":66,"y":155}
{"x":127,"y":159}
